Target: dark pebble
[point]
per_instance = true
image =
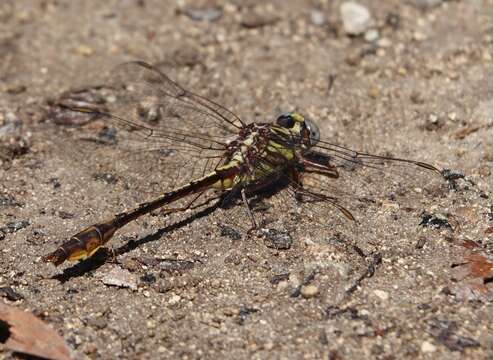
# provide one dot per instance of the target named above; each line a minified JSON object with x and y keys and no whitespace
{"x":171,"y":265}
{"x":278,"y":240}
{"x":105,"y":177}
{"x":435,"y":221}
{"x":230,"y":232}
{"x":7,"y":200}
{"x":10,"y":294}
{"x":148,"y":278}
{"x":107,"y":135}
{"x":244,"y":312}
{"x":56,"y":183}
{"x":15,"y":226}
{"x":276,"y":279}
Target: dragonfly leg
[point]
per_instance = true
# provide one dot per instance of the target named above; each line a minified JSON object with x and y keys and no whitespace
{"x":189,"y":205}
{"x":112,"y":255}
{"x":321,"y":167}
{"x":249,"y":211}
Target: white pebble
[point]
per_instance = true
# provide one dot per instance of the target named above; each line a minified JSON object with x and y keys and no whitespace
{"x":371,"y":35}
{"x":356,"y":18}
{"x":309,"y":291}
{"x":428,"y":347}
{"x":317,"y":17}
{"x":383,"y":295}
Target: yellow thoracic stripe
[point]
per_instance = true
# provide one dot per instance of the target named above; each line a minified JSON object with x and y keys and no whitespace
{"x":262,"y":168}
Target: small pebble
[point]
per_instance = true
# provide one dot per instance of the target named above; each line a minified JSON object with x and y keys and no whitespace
{"x":425,"y":4}
{"x":452,"y":116}
{"x":372,"y":35}
{"x":390,"y":205}
{"x":428,"y":347}
{"x":417,"y":97}
{"x":356,"y":18}
{"x":257,"y":20}
{"x":278,"y":240}
{"x":419,"y":36}
{"x":121,"y":278}
{"x":309,"y":291}
{"x":484,"y":171}
{"x":14,"y":226}
{"x":382,"y":295}
{"x":151,"y":324}
{"x":384,"y":43}
{"x":354,"y":58}
{"x":84,"y":50}
{"x":374,"y":92}
{"x":204,"y":14}
{"x":317,"y":17}
{"x":175,"y":299}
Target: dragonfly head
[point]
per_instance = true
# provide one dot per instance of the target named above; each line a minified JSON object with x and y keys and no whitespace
{"x":303,"y":128}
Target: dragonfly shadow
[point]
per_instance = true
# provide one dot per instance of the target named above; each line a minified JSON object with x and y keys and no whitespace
{"x":256,"y":194}
{"x":102,"y":255}
{"x":84,"y":266}
{"x":133,"y":244}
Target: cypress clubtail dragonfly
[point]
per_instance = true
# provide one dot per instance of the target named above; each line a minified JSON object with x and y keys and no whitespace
{"x":235,"y":158}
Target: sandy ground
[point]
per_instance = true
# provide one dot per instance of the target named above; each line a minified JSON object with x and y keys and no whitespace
{"x":387,"y":288}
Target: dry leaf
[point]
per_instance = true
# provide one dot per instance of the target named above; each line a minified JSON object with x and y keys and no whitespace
{"x":23,"y":332}
{"x":444,"y":332}
{"x":465,"y":131}
{"x":473,"y":277}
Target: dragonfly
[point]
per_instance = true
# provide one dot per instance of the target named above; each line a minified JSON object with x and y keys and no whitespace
{"x":229,"y":158}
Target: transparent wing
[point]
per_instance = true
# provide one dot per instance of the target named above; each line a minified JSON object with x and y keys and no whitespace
{"x":359,"y":180}
{"x":334,"y":179}
{"x":155,"y":117}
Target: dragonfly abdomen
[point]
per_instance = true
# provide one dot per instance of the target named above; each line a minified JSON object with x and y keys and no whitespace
{"x":89,"y":240}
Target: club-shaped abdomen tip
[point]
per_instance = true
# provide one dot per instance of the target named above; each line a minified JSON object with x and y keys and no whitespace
{"x":56,"y":257}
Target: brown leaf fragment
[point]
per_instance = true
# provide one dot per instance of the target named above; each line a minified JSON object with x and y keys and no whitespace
{"x":465,"y":131}
{"x":23,"y":332}
{"x":469,"y":244}
{"x":473,"y":277}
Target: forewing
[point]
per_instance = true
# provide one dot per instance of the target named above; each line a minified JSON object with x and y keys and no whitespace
{"x":154,"y":117}
{"x":359,"y":181}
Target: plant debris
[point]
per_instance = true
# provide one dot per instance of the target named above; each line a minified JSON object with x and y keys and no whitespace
{"x":435,"y":221}
{"x":444,"y":332}
{"x":121,"y":278}
{"x":473,"y":276}
{"x":23,"y":332}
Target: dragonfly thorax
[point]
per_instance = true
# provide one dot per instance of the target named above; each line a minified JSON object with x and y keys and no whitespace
{"x":260,"y":151}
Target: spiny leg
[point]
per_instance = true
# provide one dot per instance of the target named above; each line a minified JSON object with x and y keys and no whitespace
{"x":189,"y":205}
{"x":249,"y":211}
